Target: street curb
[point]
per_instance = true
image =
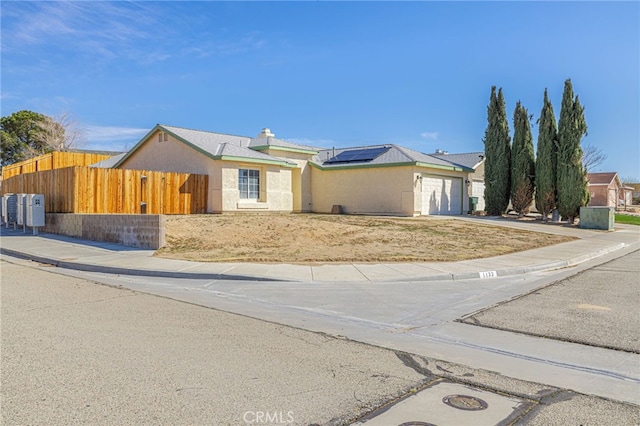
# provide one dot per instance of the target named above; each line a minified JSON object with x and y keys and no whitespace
{"x":86,"y":267}
{"x":585,"y":257}
{"x":519,"y":270}
{"x":512,"y":271}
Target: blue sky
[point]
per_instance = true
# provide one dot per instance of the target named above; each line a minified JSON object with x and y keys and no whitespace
{"x":418,"y":74}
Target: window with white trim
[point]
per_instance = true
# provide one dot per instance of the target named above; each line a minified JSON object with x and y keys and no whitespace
{"x":249,"y":184}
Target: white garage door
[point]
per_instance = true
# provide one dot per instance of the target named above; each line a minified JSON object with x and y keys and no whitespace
{"x":441,"y":195}
{"x":477,"y":190}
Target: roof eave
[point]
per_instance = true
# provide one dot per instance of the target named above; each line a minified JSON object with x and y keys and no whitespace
{"x":283,"y":148}
{"x":201,"y":151}
{"x":443,"y":167}
{"x":405,"y":163}
{"x":253,"y":160}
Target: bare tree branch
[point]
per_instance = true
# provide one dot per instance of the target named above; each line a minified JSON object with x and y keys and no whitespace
{"x":592,"y":156}
{"x":62,"y":133}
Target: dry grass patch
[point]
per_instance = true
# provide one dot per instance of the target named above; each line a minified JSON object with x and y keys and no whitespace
{"x":308,"y":238}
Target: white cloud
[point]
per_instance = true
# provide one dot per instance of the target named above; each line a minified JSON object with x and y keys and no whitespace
{"x":110,"y":133}
{"x":429,"y":135}
{"x":110,"y":138}
{"x":105,"y":29}
{"x":111,"y":31}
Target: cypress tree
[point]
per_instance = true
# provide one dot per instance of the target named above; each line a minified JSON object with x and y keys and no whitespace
{"x":546,"y":160}
{"x":522,"y":162}
{"x":571,"y":175}
{"x":497,"y":151}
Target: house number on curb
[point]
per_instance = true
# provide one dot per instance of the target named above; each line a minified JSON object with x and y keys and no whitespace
{"x":488,"y":274}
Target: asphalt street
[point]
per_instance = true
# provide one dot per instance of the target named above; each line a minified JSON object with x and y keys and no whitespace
{"x":256,"y":344}
{"x":597,"y":307}
{"x":75,"y":352}
{"x":419,"y":318}
{"x":86,"y":353}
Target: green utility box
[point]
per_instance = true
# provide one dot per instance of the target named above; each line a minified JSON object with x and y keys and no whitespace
{"x":597,"y":218}
{"x":473,"y":204}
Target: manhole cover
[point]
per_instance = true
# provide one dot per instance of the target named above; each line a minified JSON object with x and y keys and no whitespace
{"x":465,"y":402}
{"x":416,"y":424}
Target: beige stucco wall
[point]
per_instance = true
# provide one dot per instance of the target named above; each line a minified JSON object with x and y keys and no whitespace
{"x":168,"y":156}
{"x":175,"y":156}
{"x":275,"y":188}
{"x":603,"y":195}
{"x":302,"y":183}
{"x":477,"y":175}
{"x":379,"y":190}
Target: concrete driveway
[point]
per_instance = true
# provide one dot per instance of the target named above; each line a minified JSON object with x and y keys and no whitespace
{"x":597,"y":307}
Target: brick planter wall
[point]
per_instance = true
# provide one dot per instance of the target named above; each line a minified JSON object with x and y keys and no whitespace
{"x":132,"y":230}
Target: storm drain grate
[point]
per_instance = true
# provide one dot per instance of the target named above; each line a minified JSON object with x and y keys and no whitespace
{"x":465,"y":402}
{"x":434,"y":405}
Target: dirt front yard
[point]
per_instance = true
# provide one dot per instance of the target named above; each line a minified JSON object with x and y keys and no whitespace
{"x":316,"y":238}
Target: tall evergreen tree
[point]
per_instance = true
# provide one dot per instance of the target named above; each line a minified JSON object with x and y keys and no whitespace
{"x":546,"y":160}
{"x":497,"y":151}
{"x":571,"y":175}
{"x":522,"y":162}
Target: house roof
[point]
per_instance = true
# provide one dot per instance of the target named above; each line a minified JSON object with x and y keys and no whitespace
{"x":379,"y":155}
{"x":601,"y":178}
{"x":109,"y":162}
{"x":468,"y":159}
{"x":221,"y":146}
{"x":208,"y":141}
{"x":217,"y":146}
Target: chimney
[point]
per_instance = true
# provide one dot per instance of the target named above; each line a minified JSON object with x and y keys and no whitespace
{"x":266,"y":133}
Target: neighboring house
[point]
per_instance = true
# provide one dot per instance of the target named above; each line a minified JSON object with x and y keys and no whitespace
{"x":635,"y":190}
{"x":606,"y":189}
{"x":269,"y":174}
{"x":475,"y":182}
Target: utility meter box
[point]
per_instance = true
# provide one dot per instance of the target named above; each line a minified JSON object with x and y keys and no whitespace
{"x":35,"y":210}
{"x":2,"y":210}
{"x":22,"y":211}
{"x":10,"y":208}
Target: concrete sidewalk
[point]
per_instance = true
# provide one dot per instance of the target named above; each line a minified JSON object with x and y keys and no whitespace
{"x":72,"y":253}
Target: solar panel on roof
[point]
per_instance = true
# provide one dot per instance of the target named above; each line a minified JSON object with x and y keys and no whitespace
{"x":357,"y":155}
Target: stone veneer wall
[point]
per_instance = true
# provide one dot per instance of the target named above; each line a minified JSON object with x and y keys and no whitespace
{"x":133,"y":230}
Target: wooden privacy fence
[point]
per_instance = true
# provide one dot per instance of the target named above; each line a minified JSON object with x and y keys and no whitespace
{"x":53,"y":160}
{"x":96,"y":190}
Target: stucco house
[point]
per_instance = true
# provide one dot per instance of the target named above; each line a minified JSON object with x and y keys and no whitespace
{"x":387,"y":179}
{"x":264,"y":173}
{"x":606,"y":189}
{"x":635,"y":190}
